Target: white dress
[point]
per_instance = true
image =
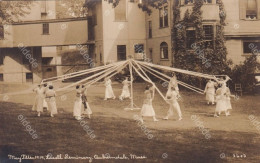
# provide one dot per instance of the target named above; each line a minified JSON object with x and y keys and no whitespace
{"x":210,"y":91}
{"x":51,"y":101}
{"x":77,"y":105}
{"x":172,"y":100}
{"x":125,"y":92}
{"x":109,"y":91}
{"x":147,"y":108}
{"x":38,"y":104}
{"x":221,"y":100}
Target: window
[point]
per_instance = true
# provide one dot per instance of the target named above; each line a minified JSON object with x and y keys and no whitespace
{"x":164,"y":50}
{"x":2,"y":32}
{"x":45,"y":28}
{"x":139,"y":48}
{"x":207,"y":1}
{"x":121,"y":52}
{"x":163,"y":17}
{"x":1,"y":59}
{"x":251,"y":10}
{"x":1,"y":77}
{"x":150,"y":29}
{"x":250,"y":47}
{"x":191,"y":37}
{"x":43,"y":6}
{"x":209,"y":35}
{"x":188,"y":2}
{"x":29,"y":77}
{"x":120,"y":11}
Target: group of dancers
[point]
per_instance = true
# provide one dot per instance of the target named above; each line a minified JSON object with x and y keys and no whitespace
{"x":45,"y":98}
{"x":222,"y":96}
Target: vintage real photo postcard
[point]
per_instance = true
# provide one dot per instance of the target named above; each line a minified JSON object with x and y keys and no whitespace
{"x":129,"y":81}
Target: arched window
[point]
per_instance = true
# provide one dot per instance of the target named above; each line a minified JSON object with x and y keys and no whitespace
{"x":164,"y":50}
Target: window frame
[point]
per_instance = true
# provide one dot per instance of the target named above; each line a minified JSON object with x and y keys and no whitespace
{"x":164,"y":16}
{"x":210,"y":39}
{"x":164,"y":48}
{"x":248,"y":10}
{"x":28,"y":79}
{"x":251,"y":51}
{"x":188,"y":44}
{"x":45,"y":29}
{"x":2,"y":32}
{"x":118,"y":53}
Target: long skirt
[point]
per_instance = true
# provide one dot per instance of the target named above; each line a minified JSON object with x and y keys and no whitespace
{"x":221,"y":105}
{"x":77,"y":108}
{"x":210,"y":95}
{"x":147,"y":110}
{"x":45,"y":105}
{"x":52,"y":105}
{"x":228,"y":103}
{"x":109,"y":92}
{"x":88,"y":110}
{"x":125,"y":92}
{"x":38,"y":104}
{"x":175,"y":106}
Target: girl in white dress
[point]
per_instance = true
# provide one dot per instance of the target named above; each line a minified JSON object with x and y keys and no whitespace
{"x":223,"y":100}
{"x":147,"y":108}
{"x":51,"y":101}
{"x":210,"y":92}
{"x":109,"y":91}
{"x":125,"y":92}
{"x":87,"y":109}
{"x":171,"y":98}
{"x":77,"y":104}
{"x":38,"y":104}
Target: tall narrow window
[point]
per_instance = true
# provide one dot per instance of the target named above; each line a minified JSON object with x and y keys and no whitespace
{"x":164,"y":50}
{"x":163,"y":17}
{"x":190,"y":33}
{"x":120,"y":11}
{"x":150,"y":29}
{"x":251,"y":10}
{"x":166,"y":16}
{"x":121,"y":52}
{"x":1,"y":59}
{"x":45,"y":28}
{"x":2,"y":32}
{"x":1,"y":77}
{"x":209,"y":35}
{"x":29,"y":77}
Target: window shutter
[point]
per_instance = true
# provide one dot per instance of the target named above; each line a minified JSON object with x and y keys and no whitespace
{"x":258,"y":9}
{"x":242,"y":8}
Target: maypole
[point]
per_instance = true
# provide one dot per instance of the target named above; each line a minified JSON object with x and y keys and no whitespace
{"x":132,"y":105}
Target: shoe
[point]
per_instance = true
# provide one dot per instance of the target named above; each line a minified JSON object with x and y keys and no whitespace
{"x":105,"y":99}
{"x":180,"y":118}
{"x":52,"y":115}
{"x":208,"y":103}
{"x":215,"y":115}
{"x":165,"y":118}
{"x":155,"y":120}
{"x":39,"y":114}
{"x":213,"y":103}
{"x":114,"y":98}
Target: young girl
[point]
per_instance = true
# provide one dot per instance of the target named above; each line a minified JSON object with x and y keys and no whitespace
{"x":223,"y":100}
{"x":109,"y":91}
{"x":87,"y":109}
{"x":210,"y":92}
{"x":77,"y":104}
{"x":38,"y":105}
{"x":147,"y":108}
{"x":171,"y":98}
{"x":125,"y":92}
{"x":50,"y":99}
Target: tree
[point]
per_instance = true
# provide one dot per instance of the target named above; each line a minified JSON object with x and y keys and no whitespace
{"x":72,"y":8}
{"x":12,"y":11}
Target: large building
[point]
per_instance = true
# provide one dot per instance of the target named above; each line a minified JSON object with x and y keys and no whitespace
{"x":115,"y":33}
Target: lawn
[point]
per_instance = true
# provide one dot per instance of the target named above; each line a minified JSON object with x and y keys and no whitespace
{"x":116,"y":132}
